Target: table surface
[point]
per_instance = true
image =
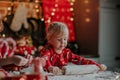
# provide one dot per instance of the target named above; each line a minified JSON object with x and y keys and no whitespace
{"x":101,"y":75}
{"x":106,"y":75}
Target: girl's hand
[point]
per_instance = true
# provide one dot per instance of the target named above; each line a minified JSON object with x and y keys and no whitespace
{"x":54,"y":70}
{"x":103,"y":67}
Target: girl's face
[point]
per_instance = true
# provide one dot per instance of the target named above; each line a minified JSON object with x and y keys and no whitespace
{"x":59,"y":42}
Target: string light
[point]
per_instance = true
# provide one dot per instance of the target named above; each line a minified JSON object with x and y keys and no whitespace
{"x":71,"y":3}
{"x":42,"y":19}
{"x":86,"y":1}
{"x":49,"y":20}
{"x":22,"y":79}
{"x":71,"y":9}
{"x":87,"y":10}
{"x":54,"y":11}
{"x":36,"y":6}
{"x":87,"y":19}
{"x":72,"y":19}
{"x":56,"y":5}
{"x":36,"y":1}
{"x":3,"y":35}
{"x":9,"y":10}
{"x":37,"y":9}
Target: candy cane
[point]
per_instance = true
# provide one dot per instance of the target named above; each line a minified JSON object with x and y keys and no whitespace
{"x":1,"y":45}
{"x":6,"y":49}
{"x":13,"y":45}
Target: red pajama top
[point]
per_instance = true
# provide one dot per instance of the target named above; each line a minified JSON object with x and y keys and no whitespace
{"x":59,"y":60}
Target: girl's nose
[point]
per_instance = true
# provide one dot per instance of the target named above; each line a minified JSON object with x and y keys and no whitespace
{"x":62,"y":41}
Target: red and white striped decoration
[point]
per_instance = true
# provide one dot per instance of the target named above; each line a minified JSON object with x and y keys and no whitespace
{"x":3,"y":48}
{"x":7,"y":47}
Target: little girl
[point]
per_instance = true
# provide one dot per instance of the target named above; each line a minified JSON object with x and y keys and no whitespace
{"x":56,"y":54}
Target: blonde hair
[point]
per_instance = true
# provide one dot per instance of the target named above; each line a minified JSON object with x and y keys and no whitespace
{"x":56,"y":28}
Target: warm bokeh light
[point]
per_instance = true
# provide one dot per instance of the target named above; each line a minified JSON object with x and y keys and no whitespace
{"x":86,"y":1}
{"x":71,"y":9}
{"x":9,"y":8}
{"x":56,"y":5}
{"x":22,"y":79}
{"x":36,"y":1}
{"x":36,"y":6}
{"x":53,"y":9}
{"x":71,"y":19}
{"x":56,"y":11}
{"x":48,"y":20}
{"x":71,"y":4}
{"x":87,"y":19}
{"x":71,"y":1}
{"x":42,"y":19}
{"x":37,"y":10}
{"x":3,"y":35}
{"x":52,"y":13}
{"x":87,"y":10}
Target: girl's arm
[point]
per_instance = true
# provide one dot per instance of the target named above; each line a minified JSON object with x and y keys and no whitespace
{"x":76,"y":59}
{"x":81,"y":60}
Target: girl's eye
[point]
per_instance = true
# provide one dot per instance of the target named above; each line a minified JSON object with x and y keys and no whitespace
{"x":64,"y":39}
{"x":58,"y":39}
